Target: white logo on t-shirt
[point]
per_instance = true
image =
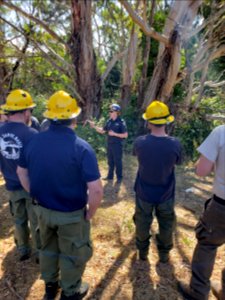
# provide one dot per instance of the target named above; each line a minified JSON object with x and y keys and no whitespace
{"x":10,"y":146}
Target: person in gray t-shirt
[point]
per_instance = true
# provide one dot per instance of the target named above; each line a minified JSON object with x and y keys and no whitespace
{"x":210,"y":230}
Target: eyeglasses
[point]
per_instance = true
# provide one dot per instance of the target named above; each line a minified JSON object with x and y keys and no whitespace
{"x":111,"y":111}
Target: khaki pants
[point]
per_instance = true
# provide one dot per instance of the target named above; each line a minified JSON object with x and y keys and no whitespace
{"x":66,"y":247}
{"x":23,"y":212}
{"x":210,"y":232}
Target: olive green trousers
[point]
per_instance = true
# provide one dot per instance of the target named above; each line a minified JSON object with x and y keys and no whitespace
{"x":25,"y":221}
{"x":66,"y":247}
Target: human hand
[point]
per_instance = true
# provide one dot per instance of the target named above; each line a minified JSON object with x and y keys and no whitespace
{"x":111,"y":133}
{"x":91,"y":123}
{"x":88,"y":214}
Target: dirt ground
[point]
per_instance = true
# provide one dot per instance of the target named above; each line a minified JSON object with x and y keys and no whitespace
{"x":114,"y":272}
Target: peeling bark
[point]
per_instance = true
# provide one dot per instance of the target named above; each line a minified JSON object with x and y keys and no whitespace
{"x":88,"y":80}
{"x":168,"y":62}
{"x":145,"y":58}
{"x":129,"y":63}
{"x":3,"y":68}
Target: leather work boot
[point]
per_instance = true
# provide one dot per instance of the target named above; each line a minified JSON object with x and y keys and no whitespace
{"x":78,"y":295}
{"x":164,"y":257}
{"x":185,"y":290}
{"x":143,"y":255}
{"x":51,"y":290}
{"x":24,"y":257}
{"x":217,"y":290}
{"x":119,"y":180}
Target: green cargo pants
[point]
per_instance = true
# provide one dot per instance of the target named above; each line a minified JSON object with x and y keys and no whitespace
{"x":143,"y":218}
{"x":66,"y":247}
{"x":23,"y":212}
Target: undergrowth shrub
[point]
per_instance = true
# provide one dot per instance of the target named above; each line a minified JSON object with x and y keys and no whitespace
{"x":192,"y":131}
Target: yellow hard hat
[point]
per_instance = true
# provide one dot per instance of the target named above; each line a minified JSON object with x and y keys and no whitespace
{"x":2,"y":112}
{"x":18,"y":100}
{"x":61,"y":106}
{"x":158,"y":113}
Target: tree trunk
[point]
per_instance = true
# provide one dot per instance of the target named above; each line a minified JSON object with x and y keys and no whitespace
{"x":166,"y":70}
{"x":4,"y":82}
{"x":145,"y":58}
{"x":88,"y":80}
{"x":129,"y":68}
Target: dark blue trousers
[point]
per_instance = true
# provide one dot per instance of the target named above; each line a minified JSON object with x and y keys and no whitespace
{"x":114,"y":155}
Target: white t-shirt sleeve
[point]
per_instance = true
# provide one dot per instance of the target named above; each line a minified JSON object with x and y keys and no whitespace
{"x":210,"y":147}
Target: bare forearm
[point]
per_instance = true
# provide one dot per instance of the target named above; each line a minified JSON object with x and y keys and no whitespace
{"x":204,"y":166}
{"x":24,"y":179}
{"x":93,"y":204}
{"x":121,"y":135}
{"x":94,"y":199}
{"x":99,"y":129}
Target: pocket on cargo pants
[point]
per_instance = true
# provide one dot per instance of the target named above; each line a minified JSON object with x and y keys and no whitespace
{"x":202,"y":231}
{"x":74,"y":240}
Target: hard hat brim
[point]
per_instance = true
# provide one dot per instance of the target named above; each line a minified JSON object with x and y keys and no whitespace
{"x":61,"y":116}
{"x":8,"y":108}
{"x":159,"y":121}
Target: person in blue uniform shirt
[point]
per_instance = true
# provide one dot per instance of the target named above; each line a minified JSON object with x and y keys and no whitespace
{"x":14,"y":135}
{"x":3,"y":117}
{"x":157,"y":154}
{"x":116,"y":131}
{"x":60,"y":171}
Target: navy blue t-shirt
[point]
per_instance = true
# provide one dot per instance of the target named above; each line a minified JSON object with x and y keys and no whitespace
{"x":157,"y":157}
{"x":13,"y":137}
{"x":119,"y":126}
{"x":59,"y":166}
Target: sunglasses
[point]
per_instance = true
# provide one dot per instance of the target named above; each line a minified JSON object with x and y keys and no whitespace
{"x":111,"y":111}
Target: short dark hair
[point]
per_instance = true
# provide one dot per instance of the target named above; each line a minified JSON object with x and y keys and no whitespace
{"x":13,"y":112}
{"x":66,"y":122}
{"x":158,"y":125}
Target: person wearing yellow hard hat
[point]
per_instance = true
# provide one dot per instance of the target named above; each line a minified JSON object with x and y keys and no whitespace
{"x":14,"y":135}
{"x":157,"y":154}
{"x":3,"y":117}
{"x":64,"y":179}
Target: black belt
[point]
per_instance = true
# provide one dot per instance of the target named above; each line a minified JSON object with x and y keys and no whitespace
{"x":219,"y":200}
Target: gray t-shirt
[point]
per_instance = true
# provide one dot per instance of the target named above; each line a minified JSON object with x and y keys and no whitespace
{"x":213,"y":148}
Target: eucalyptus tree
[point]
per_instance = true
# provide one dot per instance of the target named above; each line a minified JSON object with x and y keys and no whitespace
{"x":184,"y":21}
{"x":62,"y":35}
{"x":11,"y":54}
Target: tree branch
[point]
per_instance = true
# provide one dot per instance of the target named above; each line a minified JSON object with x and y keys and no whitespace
{"x":215,"y":54}
{"x":214,"y":18}
{"x":59,"y":58}
{"x":44,"y":54}
{"x":34,"y":19}
{"x":39,"y":47}
{"x":145,"y":28}
{"x":112,"y":63}
{"x":210,"y":84}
